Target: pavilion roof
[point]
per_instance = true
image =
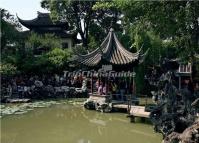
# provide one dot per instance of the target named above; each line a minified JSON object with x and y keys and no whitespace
{"x":43,"y":20}
{"x":111,"y":51}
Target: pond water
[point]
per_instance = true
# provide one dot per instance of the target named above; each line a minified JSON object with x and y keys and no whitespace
{"x":65,"y":123}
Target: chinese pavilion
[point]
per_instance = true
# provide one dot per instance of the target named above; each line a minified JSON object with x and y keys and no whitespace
{"x":111,"y":57}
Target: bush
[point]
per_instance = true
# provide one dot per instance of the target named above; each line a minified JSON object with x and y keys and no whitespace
{"x":53,"y":61}
{"x":8,"y":69}
{"x":58,"y":57}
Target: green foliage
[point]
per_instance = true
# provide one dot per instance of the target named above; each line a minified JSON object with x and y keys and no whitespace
{"x":33,"y":65}
{"x":11,"y":43}
{"x":97,"y":33}
{"x":59,"y":57}
{"x":104,"y":5}
{"x":175,"y":20}
{"x":79,"y":49}
{"x":139,"y":79}
{"x":7,"y":69}
{"x":93,"y":44}
{"x":155,"y":44}
{"x":46,"y":62}
{"x":53,"y":61}
{"x":168,"y":28}
{"x":125,"y":39}
{"x":108,"y":15}
{"x":47,"y":41}
{"x":10,"y":35}
{"x":87,"y":17}
{"x":78,"y":13}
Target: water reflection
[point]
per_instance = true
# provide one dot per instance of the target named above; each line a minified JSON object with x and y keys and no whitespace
{"x":74,"y":124}
{"x":98,"y":122}
{"x":84,"y":141}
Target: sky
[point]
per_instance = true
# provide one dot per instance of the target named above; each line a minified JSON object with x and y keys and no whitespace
{"x":25,"y":9}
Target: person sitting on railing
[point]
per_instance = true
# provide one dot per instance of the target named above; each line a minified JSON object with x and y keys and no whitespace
{"x":97,"y":84}
{"x":104,"y":90}
{"x":100,"y":89}
{"x":83,"y":87}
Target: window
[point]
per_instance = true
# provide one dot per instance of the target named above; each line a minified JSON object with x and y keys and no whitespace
{"x":65,"y":45}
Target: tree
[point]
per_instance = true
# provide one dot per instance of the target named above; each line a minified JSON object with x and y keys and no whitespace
{"x":148,"y":40}
{"x":11,"y":43}
{"x":59,"y":57}
{"x":176,"y":21}
{"x":46,"y":41}
{"x":171,"y":27}
{"x":52,"y":58}
{"x":89,"y":18}
{"x":53,"y":61}
{"x":10,"y":27}
{"x":77,"y":13}
{"x":108,"y":15}
{"x":7,"y":69}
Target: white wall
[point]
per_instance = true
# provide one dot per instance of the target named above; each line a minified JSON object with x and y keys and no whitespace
{"x":69,"y":41}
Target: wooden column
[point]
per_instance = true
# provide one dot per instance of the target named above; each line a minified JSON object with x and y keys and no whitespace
{"x":179,"y":86}
{"x":134,"y":86}
{"x":133,"y":92}
{"x":130,"y":96}
{"x":107,"y":87}
{"x":92,"y":84}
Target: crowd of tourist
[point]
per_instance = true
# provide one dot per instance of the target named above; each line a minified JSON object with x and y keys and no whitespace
{"x":35,"y":87}
{"x":45,"y":86}
{"x":117,"y":87}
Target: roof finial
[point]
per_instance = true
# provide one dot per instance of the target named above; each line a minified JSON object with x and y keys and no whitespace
{"x":111,"y":29}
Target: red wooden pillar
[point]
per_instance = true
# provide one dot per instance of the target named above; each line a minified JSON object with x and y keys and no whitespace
{"x":91,"y":84}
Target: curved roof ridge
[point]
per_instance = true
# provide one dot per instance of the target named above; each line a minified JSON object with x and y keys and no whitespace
{"x":112,"y":51}
{"x":107,"y":49}
{"x":43,"y":20}
{"x":125,"y":51}
{"x":23,"y":22}
{"x":96,"y":50}
{"x":43,"y":13}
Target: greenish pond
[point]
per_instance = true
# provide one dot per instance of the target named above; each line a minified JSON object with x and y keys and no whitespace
{"x":66,"y":123}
